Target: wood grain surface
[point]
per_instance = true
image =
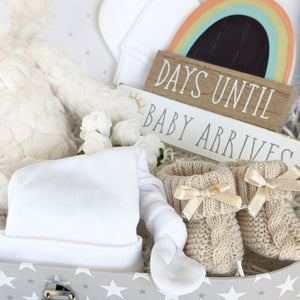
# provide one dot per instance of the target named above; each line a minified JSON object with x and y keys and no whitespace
{"x":234,"y":94}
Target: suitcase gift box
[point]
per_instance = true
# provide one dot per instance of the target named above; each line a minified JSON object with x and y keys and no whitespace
{"x":27,"y":280}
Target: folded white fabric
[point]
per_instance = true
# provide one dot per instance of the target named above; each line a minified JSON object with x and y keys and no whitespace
{"x":84,"y":211}
{"x":153,"y":30}
{"x":174,"y":272}
{"x":124,"y":258}
{"x":126,"y":12}
{"x":84,"y":208}
{"x":77,"y":199}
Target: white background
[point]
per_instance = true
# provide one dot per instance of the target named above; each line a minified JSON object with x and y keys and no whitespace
{"x":74,"y":29}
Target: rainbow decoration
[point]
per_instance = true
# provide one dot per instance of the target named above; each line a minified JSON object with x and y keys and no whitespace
{"x":268,"y":13}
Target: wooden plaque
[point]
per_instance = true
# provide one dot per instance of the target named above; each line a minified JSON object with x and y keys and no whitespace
{"x":224,"y":91}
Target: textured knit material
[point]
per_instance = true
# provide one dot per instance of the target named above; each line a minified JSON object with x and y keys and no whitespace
{"x":214,"y":237}
{"x":275,"y":231}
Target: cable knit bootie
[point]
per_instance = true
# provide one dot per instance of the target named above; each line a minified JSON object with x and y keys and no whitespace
{"x":269,"y":226}
{"x":205,"y":196}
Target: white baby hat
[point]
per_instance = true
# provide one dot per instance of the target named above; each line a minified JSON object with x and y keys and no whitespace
{"x":84,"y":210}
{"x":150,"y":26}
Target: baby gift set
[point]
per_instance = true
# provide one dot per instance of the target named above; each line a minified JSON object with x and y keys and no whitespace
{"x":149,"y":149}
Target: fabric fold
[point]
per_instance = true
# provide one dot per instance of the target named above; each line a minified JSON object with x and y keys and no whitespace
{"x":172,"y":271}
{"x":84,"y":211}
{"x":148,"y":35}
{"x":124,"y":258}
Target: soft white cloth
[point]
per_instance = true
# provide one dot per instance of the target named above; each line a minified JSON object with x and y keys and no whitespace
{"x":84,"y":211}
{"x":153,"y":30}
{"x":126,"y":12}
{"x":124,"y":258}
{"x":91,"y":201}
{"x":172,"y":270}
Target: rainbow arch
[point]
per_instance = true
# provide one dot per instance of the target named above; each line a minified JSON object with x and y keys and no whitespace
{"x":267,"y":12}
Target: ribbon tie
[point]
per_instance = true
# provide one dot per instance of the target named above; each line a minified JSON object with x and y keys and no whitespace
{"x":285,"y":182}
{"x":218,"y":192}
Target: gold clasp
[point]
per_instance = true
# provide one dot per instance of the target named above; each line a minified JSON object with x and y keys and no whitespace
{"x":55,"y":291}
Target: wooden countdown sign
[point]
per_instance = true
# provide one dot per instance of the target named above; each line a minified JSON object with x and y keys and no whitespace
{"x":231,"y":93}
{"x":251,"y":36}
{"x":255,"y":37}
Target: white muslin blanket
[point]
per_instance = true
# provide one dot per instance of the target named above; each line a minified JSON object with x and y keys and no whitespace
{"x":84,"y":211}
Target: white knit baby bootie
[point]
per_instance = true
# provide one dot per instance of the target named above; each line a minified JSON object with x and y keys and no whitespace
{"x":269,"y":226}
{"x":204,"y":195}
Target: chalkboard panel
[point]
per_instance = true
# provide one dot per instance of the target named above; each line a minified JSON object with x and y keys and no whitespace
{"x":245,"y":40}
{"x":254,"y":37}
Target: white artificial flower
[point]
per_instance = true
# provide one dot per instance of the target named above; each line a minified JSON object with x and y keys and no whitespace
{"x":125,"y":133}
{"x":151,"y":160}
{"x":152,"y":142}
{"x":95,"y":142}
{"x":96,"y":121}
{"x":152,"y":145}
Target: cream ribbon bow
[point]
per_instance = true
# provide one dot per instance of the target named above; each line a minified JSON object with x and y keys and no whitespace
{"x":218,"y":192}
{"x":285,"y":182}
